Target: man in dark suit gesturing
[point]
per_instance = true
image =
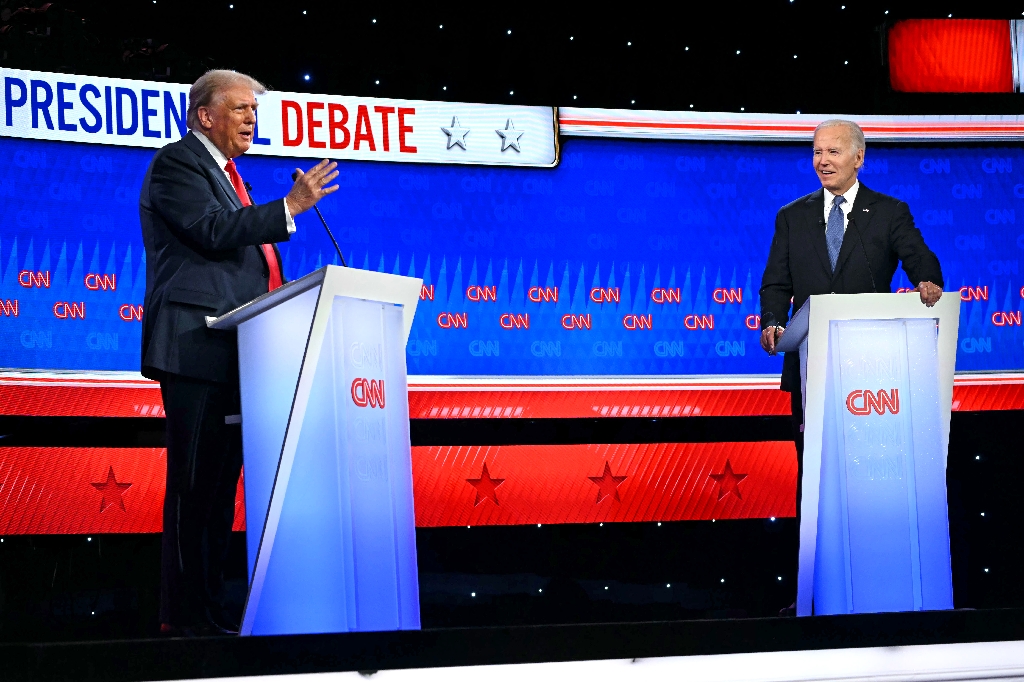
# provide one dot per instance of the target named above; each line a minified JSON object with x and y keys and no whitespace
{"x":841,"y":239}
{"x":208,"y":251}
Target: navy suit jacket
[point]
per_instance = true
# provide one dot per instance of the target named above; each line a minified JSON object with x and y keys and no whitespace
{"x":202,"y":258}
{"x":798,"y":264}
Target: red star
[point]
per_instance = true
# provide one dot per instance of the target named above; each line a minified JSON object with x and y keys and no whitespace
{"x":111,"y":486}
{"x":607,"y":484}
{"x":485,"y":486}
{"x":728,"y":481}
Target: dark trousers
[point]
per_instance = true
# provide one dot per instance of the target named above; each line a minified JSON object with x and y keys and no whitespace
{"x":796,"y":405}
{"x":204,"y":460}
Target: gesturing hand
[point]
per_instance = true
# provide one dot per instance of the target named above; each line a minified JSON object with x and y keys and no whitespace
{"x":309,"y":186}
{"x":769,"y":337}
{"x":930,"y":293}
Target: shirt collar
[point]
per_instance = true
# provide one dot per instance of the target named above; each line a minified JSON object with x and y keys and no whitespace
{"x":849,"y":195}
{"x":218,"y":155}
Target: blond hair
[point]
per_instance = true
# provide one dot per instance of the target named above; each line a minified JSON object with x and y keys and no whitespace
{"x":210,"y":85}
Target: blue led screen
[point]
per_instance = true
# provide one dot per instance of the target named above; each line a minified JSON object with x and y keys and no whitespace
{"x":677,"y":232}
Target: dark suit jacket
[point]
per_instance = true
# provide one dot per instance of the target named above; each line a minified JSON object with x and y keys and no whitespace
{"x":798,"y":264}
{"x":202,"y":258}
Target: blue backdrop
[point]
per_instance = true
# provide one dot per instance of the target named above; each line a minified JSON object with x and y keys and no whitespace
{"x":645,"y":218}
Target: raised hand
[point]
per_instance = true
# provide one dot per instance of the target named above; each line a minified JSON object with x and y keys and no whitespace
{"x":310,"y":188}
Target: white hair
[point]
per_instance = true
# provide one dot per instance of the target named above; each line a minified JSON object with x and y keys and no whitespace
{"x":210,"y":86}
{"x":856,"y":134}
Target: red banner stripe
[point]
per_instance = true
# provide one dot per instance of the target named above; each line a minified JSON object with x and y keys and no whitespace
{"x":120,"y":490}
{"x":951,"y":55}
{"x":507,"y":401}
{"x":528,"y":484}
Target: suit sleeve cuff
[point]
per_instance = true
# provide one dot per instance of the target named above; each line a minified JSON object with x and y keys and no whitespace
{"x":289,"y":220}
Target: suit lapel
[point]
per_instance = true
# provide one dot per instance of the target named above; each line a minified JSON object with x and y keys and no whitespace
{"x":200,"y":150}
{"x":862,"y":215}
{"x":816,"y":207}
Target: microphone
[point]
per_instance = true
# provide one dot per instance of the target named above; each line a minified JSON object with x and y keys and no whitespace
{"x":853,"y":223}
{"x":295,"y":176}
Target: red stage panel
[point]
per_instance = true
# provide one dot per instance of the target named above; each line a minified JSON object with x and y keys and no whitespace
{"x":120,"y":490}
{"x":56,"y":491}
{"x":951,"y":55}
{"x":527,"y":484}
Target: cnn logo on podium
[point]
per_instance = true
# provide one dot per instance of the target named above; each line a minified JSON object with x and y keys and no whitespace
{"x":863,"y":402}
{"x":368,"y":392}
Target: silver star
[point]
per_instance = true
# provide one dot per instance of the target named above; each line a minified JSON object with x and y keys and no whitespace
{"x":510,"y":136}
{"x":456,"y":134}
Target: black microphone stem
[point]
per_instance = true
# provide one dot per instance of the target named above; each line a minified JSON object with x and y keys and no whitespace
{"x":295,"y":176}
{"x":853,"y":224}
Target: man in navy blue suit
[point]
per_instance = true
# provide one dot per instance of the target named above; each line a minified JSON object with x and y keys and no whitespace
{"x":209,"y":249}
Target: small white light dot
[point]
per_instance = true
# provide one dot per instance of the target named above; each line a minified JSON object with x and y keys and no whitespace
{"x":847,"y":61}
{"x":374,"y":21}
{"x":231,"y":6}
{"x":780,"y":577}
{"x":737,"y":51}
{"x":538,"y":525}
{"x":633,"y":101}
{"x":659,"y":524}
{"x":950,"y":16}
{"x":606,"y":587}
{"x":88,"y":539}
{"x":444,"y":87}
{"x":668,"y":584}
{"x":472,"y":594}
{"x":303,"y":11}
{"x":794,"y":56}
{"x":574,"y":96}
{"x":723,"y":580}
{"x":94,"y":613}
{"x":982,"y":513}
{"x":376,"y":82}
{"x":441,"y":26}
{"x":977,"y":457}
{"x":306,"y":77}
{"x":628,"y":44}
{"x":986,"y":570}
{"x":886,"y":11}
{"x":691,"y":106}
{"x":687,"y":48}
{"x":512,"y":92}
{"x":570,"y":37}
{"x":712,"y":520}
{"x":468,"y":526}
{"x":541,"y":590}
{"x":773,"y":518}
{"x":742,"y":109}
{"x":600,"y":524}
{"x":510,"y":32}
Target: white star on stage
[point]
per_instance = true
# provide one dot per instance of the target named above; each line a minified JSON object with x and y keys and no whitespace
{"x":510,"y":136}
{"x":456,"y":134}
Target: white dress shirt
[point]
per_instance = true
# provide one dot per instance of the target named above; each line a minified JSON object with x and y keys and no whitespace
{"x":221,"y":161}
{"x":850,"y":195}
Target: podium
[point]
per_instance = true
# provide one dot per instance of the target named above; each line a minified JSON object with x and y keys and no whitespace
{"x":331,"y":537}
{"x":877,"y":377}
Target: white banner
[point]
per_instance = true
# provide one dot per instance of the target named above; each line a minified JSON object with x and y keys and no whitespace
{"x":69,"y":108}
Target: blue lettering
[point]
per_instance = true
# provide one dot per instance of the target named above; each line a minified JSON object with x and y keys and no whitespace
{"x":109,"y":100}
{"x":44,"y":105}
{"x":122,"y":129}
{"x":10,"y":100}
{"x":90,"y":127}
{"x":178,"y":114}
{"x":148,"y":113}
{"x":63,"y":106}
{"x":256,"y":139}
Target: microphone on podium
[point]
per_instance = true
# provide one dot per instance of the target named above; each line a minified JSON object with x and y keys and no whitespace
{"x":295,"y":176}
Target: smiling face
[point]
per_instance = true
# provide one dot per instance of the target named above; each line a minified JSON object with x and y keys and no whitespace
{"x":230,"y":119}
{"x":835,"y":160}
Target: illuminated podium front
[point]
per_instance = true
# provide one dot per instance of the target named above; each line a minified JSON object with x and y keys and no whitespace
{"x":877,"y":376}
{"x":331,"y":532}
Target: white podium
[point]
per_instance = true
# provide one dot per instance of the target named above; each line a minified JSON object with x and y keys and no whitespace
{"x":877,"y":376}
{"x":331,"y":532}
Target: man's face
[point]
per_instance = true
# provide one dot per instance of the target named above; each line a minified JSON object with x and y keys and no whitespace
{"x":229,"y":120}
{"x":835,"y":161}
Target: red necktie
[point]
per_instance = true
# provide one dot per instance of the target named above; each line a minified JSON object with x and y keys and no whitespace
{"x":268,"y":250}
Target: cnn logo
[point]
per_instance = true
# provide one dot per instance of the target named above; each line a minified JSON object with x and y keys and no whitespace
{"x":368,"y":393}
{"x":863,"y":402}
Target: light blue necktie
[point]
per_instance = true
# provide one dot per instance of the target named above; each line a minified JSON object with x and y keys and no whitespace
{"x":834,"y":231}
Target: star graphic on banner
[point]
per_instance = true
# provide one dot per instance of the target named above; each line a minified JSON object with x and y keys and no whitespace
{"x":607,"y":484}
{"x":485,"y":486}
{"x":456,"y":134}
{"x":510,"y":136}
{"x":728,"y":481}
{"x":113,"y":489}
